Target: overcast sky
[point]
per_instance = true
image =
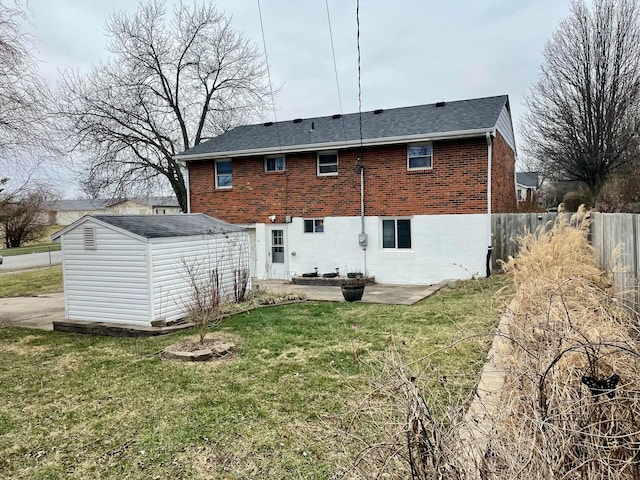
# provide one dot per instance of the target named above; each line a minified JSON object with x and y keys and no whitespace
{"x":413,"y":51}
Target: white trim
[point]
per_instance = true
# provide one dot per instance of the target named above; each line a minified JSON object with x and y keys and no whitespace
{"x":422,"y":144}
{"x":330,"y":174}
{"x":215,"y":174}
{"x":150,"y":293}
{"x":429,"y":137}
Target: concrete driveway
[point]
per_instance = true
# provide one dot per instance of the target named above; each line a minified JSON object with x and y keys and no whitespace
{"x":32,"y":312}
{"x":31,"y":260}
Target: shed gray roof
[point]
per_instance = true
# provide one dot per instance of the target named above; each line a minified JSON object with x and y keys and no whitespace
{"x":458,"y":116}
{"x":527,"y":179}
{"x":157,"y":226}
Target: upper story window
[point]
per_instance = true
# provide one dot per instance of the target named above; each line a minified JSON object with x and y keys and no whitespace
{"x":396,"y":233}
{"x":274,"y":164}
{"x":314,"y":225}
{"x":419,"y":157}
{"x":223,"y":174}
{"x":328,"y":163}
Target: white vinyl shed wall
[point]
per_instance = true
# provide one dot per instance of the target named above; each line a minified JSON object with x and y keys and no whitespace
{"x":227,"y":254}
{"x":135,"y":280}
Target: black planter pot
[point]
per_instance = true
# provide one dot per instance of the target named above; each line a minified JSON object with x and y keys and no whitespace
{"x":352,"y":294}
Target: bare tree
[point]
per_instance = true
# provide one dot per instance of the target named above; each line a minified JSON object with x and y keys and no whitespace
{"x":23,"y":215}
{"x":169,"y":84}
{"x":584,"y":111}
{"x":23,"y":98}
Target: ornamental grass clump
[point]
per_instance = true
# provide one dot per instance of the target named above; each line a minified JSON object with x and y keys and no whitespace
{"x":570,"y":407}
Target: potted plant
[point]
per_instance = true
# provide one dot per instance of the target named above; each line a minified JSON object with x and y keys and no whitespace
{"x":353,"y":287}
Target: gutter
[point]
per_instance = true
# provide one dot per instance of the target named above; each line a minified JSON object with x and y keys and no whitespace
{"x":489,"y":232}
{"x":339,"y":145}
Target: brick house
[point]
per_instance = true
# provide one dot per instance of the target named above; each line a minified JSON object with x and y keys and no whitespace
{"x":409,"y":204}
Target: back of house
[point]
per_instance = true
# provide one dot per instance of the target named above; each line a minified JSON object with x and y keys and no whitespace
{"x":408,"y":202}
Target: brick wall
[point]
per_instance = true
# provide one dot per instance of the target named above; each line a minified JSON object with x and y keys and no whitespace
{"x":456,"y":184}
{"x":503,"y":189}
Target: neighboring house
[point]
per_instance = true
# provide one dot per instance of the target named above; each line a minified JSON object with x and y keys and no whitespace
{"x":65,"y":212}
{"x":409,"y":204}
{"x":526,"y":185}
{"x":132,"y":269}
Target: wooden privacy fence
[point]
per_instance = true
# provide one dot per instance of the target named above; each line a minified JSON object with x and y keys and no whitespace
{"x":608,"y":231}
{"x":506,"y":226}
{"x":618,"y":230}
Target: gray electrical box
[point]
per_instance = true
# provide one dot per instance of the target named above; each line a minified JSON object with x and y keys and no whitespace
{"x":362,"y":239}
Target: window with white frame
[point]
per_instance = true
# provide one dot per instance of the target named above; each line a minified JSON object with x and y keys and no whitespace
{"x":396,"y":233}
{"x":327,"y":163}
{"x":223,"y":174}
{"x":274,"y":164}
{"x":420,"y":157}
{"x":314,"y":225}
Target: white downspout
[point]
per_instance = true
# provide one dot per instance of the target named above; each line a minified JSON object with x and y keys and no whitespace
{"x":186,"y":182}
{"x":489,"y":233}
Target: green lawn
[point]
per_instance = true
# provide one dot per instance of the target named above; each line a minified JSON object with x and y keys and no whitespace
{"x":32,"y":282}
{"x":84,"y":407}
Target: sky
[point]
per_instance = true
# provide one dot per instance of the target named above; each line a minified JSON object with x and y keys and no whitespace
{"x":412,"y":51}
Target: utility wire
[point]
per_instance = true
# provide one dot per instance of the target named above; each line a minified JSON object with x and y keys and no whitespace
{"x":359,"y":74}
{"x":335,"y":69}
{"x":266,"y":57}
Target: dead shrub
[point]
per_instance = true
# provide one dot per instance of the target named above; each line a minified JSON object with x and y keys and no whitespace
{"x":563,"y":415}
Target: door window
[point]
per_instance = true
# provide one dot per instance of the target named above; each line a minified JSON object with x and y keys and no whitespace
{"x":277,"y":246}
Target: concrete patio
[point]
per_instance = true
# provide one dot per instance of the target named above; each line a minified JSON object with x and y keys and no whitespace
{"x":376,"y":293}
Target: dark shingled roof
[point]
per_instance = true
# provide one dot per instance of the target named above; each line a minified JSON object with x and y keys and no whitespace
{"x":527,"y":179}
{"x":156,"y":226}
{"x":458,"y":116}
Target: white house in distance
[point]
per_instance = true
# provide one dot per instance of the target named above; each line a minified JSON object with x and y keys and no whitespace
{"x":132,"y":269}
{"x":526,"y":185}
{"x":65,"y":212}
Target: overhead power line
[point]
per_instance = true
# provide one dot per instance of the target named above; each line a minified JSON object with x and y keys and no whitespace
{"x":266,"y":58}
{"x":335,"y":69}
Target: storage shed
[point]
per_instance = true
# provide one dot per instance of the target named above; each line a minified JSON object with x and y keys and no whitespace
{"x":140,"y":269}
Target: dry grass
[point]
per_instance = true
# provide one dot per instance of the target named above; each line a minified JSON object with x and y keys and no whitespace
{"x":566,"y":327}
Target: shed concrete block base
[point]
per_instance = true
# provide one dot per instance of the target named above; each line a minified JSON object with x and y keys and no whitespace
{"x":116,"y":329}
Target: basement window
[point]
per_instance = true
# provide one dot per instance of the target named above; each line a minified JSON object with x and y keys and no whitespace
{"x":314,"y":225}
{"x":419,"y":157}
{"x":89,"y":238}
{"x":396,"y":233}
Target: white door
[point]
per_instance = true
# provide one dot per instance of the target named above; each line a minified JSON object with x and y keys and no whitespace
{"x":277,"y":252}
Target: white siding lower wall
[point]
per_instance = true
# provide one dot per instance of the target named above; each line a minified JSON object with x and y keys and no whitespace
{"x":443,"y":247}
{"x":172,"y":293}
{"x":108,"y":284}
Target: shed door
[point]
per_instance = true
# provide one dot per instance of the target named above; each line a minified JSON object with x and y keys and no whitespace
{"x":277,"y":253}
